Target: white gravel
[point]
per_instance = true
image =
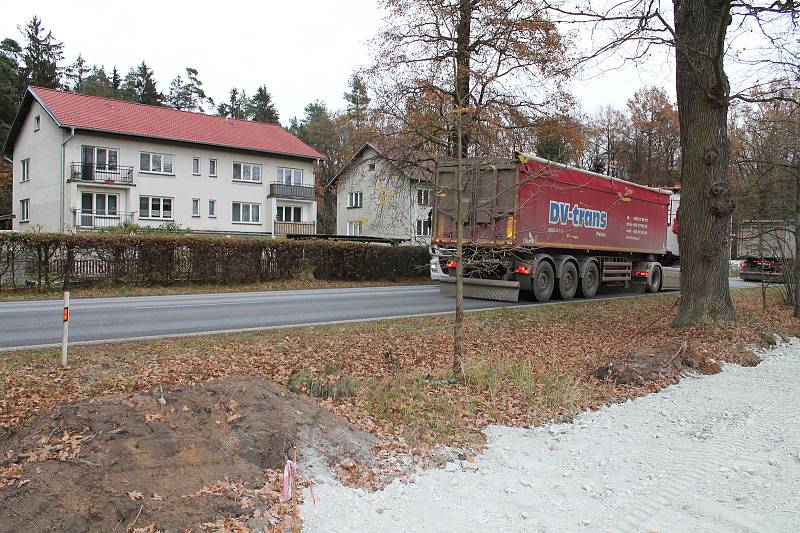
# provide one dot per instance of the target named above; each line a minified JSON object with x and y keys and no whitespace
{"x":712,"y":453}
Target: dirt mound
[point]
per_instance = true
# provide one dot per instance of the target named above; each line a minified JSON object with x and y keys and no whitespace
{"x":177,"y":459}
{"x":646,"y":364}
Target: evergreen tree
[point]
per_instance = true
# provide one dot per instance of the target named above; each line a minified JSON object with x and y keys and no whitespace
{"x":140,"y":86}
{"x":236,"y":107}
{"x":11,"y":84}
{"x":41,"y":56}
{"x":357,"y":99}
{"x":116,"y":83}
{"x":261,"y":108}
{"x":188,"y":95}
{"x":97,"y":83}
{"x":76,"y":74}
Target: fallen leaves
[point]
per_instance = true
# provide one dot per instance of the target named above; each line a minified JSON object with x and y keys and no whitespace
{"x":135,"y":495}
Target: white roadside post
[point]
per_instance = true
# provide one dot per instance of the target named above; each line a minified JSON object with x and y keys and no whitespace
{"x":65,"y":330}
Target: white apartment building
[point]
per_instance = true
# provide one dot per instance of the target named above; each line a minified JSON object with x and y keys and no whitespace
{"x":83,"y":163}
{"x":375,"y":197}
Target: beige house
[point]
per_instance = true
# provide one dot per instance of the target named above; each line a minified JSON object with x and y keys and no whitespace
{"x":377,"y":196}
{"x":84,"y":163}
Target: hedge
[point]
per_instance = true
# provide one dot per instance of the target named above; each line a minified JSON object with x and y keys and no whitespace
{"x":45,"y":259}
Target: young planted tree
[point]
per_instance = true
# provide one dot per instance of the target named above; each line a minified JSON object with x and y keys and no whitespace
{"x":466,"y":77}
{"x":698,"y":32}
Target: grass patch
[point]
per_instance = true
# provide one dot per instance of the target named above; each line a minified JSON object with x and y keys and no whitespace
{"x":11,"y":295}
{"x":523,"y":366}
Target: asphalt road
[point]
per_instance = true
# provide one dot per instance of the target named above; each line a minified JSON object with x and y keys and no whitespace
{"x":38,"y":323}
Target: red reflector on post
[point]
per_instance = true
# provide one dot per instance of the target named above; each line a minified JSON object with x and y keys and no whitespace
{"x":452,"y":264}
{"x":66,"y":314}
{"x":525,"y":271}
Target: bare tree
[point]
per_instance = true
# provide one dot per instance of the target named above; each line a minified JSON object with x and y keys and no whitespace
{"x":698,"y":32}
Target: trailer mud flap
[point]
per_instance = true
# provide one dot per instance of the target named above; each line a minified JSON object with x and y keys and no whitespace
{"x":482,"y":289}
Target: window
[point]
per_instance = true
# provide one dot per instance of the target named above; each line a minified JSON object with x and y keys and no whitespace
{"x":246,"y":172}
{"x":37,"y":123}
{"x":290,"y":176}
{"x":212,"y":209}
{"x":423,"y":228}
{"x":195,"y":207}
{"x":423,"y":197}
{"x":155,"y":207}
{"x":212,"y":168}
{"x":99,"y":203}
{"x":196,"y":166}
{"x":245,"y":213}
{"x":25,"y":172}
{"x":24,"y":210}
{"x":354,"y":228}
{"x":371,"y":166}
{"x":355,"y":199}
{"x":288,"y":213}
{"x":98,"y":158}
{"x":156,"y":163}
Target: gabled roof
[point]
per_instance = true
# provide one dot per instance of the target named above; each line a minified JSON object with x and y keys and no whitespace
{"x":410,"y":169}
{"x":93,"y":113}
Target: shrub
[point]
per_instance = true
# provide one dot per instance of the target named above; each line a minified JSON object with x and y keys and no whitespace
{"x":171,"y":257}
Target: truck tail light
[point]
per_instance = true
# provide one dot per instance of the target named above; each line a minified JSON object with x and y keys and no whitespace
{"x":640,"y":274}
{"x":452,"y":264}
{"x":522,"y":269}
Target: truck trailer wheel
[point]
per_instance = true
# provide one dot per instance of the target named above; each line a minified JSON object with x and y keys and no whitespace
{"x":654,"y":284}
{"x":590,"y":282}
{"x":543,"y":281}
{"x":568,"y":282}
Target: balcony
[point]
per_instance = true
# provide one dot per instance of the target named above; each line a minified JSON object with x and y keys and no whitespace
{"x":283,"y":190}
{"x":110,"y":174}
{"x":92,"y":219}
{"x":294,"y":228}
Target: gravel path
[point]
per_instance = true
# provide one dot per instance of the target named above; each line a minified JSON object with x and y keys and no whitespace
{"x":714,"y":453}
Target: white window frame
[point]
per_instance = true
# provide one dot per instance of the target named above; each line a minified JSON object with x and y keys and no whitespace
{"x":212,"y":208}
{"x":249,"y":217}
{"x":195,"y":166}
{"x":25,"y":170}
{"x":250,"y":168}
{"x":282,"y":210}
{"x":106,"y":212}
{"x":424,"y":196}
{"x":25,"y":210}
{"x":355,"y":200}
{"x":160,"y":200}
{"x":290,"y":176}
{"x":105,"y":166}
{"x":163,"y":158}
{"x":37,"y":123}
{"x":422,"y":230}
{"x":212,"y":168}
{"x":195,"y":207}
{"x":355,"y":228}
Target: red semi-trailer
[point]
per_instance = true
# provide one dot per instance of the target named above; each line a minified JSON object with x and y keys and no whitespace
{"x":535,"y":225}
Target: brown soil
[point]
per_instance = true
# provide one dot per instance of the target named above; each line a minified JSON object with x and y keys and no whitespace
{"x":195,"y":457}
{"x":646,"y":364}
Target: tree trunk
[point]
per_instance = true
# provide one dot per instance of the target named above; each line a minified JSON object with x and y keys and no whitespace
{"x":796,"y":258}
{"x":707,"y":199}
{"x":463,"y":74}
{"x":458,"y":326}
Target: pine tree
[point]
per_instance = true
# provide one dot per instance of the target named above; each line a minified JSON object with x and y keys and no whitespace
{"x":189,"y":95}
{"x":116,"y":83}
{"x":97,"y":83}
{"x":357,"y":99}
{"x":11,"y":84}
{"x":176,"y":97}
{"x":140,"y":86}
{"x":41,"y":56}
{"x":76,"y":74}
{"x":261,"y":108}
{"x":236,"y":107}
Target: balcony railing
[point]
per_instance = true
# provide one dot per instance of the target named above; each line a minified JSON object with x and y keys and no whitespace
{"x":294,"y":228}
{"x":94,"y":219}
{"x":112,"y":174}
{"x":291,"y":191}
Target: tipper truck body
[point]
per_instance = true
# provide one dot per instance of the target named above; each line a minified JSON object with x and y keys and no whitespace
{"x":556,"y":231}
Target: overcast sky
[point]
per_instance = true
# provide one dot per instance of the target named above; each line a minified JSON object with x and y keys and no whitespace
{"x":303,"y":50}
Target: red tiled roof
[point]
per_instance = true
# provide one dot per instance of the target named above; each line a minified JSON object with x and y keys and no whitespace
{"x":128,"y":118}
